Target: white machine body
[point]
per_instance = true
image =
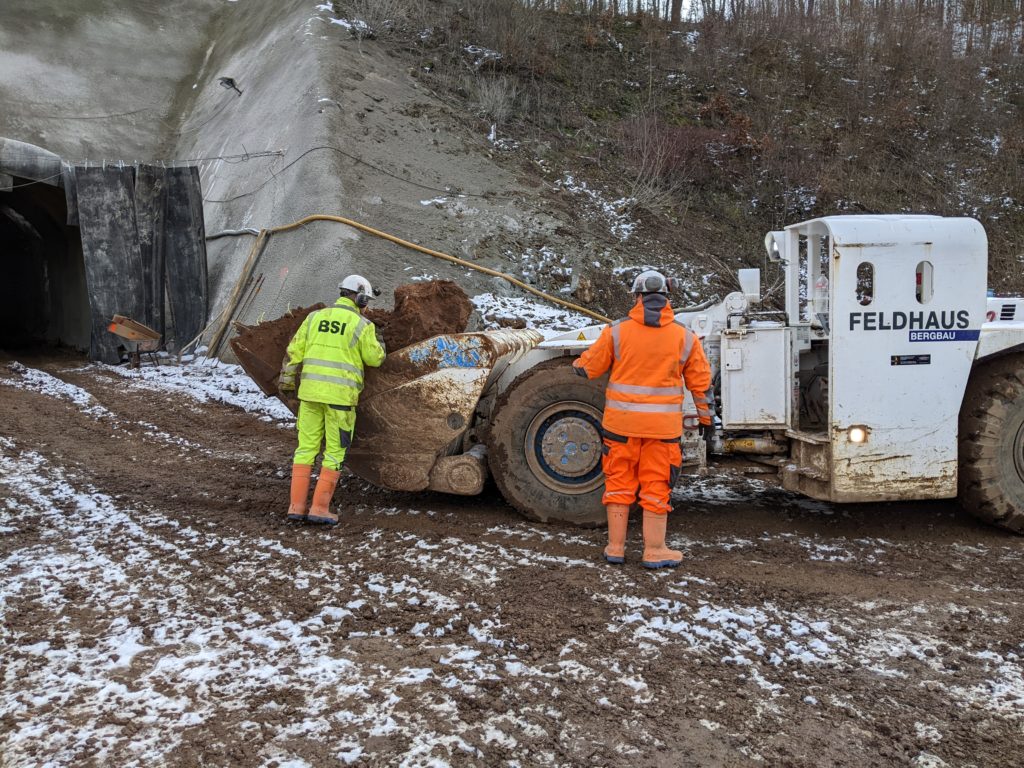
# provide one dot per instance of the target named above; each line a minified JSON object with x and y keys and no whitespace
{"x":854,"y":390}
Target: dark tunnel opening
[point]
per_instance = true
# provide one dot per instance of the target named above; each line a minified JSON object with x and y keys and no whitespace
{"x":43,"y":297}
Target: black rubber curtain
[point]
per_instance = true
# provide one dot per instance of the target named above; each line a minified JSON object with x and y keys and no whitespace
{"x":143,"y":241}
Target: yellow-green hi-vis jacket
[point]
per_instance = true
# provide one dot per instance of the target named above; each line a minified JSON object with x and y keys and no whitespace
{"x":332,"y":346}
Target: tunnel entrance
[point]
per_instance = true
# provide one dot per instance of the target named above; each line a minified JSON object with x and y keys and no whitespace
{"x":43,"y":296}
{"x":81,"y":243}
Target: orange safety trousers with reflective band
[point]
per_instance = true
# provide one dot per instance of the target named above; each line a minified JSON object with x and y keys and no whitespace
{"x":650,"y":463}
{"x":650,"y":357}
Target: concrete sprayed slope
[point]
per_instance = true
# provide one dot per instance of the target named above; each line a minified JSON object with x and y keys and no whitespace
{"x":124,"y":81}
{"x":360,"y":138}
{"x":325,"y":123}
{"x":98,"y":80}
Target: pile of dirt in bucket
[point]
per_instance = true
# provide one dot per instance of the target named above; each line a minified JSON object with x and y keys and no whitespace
{"x":422,"y":310}
{"x":260,"y":348}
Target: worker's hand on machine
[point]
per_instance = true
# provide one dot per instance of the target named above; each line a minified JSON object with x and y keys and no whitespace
{"x":706,"y":431}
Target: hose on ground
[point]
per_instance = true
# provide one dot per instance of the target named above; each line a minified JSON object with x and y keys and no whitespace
{"x":264,"y":234}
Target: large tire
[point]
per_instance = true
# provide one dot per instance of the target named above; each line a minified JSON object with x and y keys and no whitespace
{"x":991,"y":474}
{"x":544,"y":445}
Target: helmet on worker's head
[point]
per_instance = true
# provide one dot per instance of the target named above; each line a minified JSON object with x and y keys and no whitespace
{"x":652,"y":281}
{"x":360,"y":289}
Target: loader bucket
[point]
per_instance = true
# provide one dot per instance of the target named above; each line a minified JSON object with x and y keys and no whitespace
{"x":413,"y":410}
{"x":260,"y":349}
{"x":419,"y":403}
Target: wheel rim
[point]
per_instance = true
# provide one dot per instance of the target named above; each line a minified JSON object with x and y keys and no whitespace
{"x":563,"y":447}
{"x":1018,"y":453}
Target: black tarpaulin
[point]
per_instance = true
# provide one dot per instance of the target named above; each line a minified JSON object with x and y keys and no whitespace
{"x":150,"y":204}
{"x":110,"y":247}
{"x":184,"y":249}
{"x":143,"y":241}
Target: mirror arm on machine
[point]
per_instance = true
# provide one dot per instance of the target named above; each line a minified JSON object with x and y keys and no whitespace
{"x":775,"y":244}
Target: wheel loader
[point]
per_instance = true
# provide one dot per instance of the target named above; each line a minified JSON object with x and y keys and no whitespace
{"x":884,"y":371}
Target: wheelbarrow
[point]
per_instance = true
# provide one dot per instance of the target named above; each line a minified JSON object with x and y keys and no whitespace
{"x":139,"y":339}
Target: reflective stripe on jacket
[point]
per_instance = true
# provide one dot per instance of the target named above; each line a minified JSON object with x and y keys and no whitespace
{"x":650,"y":357}
{"x":332,"y":346}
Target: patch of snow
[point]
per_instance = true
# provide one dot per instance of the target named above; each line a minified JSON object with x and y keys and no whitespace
{"x":479,"y":56}
{"x":689,"y":38}
{"x":927,"y":760}
{"x":549,"y":319}
{"x":358,"y":28}
{"x":503,"y":145}
{"x":51,"y":386}
{"x":206,"y":380}
{"x":614,"y":212}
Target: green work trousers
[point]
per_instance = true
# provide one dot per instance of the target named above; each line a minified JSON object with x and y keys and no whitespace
{"x":319,"y":423}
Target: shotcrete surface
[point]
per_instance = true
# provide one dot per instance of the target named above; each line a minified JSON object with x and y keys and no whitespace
{"x":325,"y":123}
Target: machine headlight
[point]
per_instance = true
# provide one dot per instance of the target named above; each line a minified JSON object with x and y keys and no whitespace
{"x":857,"y":434}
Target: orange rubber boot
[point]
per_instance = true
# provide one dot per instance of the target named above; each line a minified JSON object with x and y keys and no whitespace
{"x":656,"y":554}
{"x":320,"y":512}
{"x":618,"y":520}
{"x":300,"y":491}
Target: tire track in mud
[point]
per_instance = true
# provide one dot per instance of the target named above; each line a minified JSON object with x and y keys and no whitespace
{"x":431,"y":628}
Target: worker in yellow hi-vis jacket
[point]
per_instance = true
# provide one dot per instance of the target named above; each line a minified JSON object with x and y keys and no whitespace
{"x":328,"y":353}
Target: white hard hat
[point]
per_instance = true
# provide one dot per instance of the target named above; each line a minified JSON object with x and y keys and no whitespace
{"x":652,"y":281}
{"x":356,"y":284}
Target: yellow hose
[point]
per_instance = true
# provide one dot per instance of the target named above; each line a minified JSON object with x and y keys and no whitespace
{"x":264,"y":235}
{"x":436,"y":255}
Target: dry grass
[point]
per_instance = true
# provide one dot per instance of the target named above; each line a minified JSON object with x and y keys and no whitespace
{"x":494,"y":97}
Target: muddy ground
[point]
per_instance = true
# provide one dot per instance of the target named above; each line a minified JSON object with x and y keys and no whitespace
{"x":158,"y":610}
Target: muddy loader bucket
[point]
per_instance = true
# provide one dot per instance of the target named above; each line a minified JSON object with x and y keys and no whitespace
{"x":417,"y":406}
{"x":414,"y":409}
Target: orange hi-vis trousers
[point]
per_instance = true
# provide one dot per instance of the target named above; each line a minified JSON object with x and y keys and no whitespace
{"x":647,"y":462}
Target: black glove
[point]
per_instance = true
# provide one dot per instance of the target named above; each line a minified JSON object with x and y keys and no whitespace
{"x":706,"y":431}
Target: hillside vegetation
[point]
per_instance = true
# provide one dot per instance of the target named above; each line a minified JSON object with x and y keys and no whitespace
{"x":713,"y":131}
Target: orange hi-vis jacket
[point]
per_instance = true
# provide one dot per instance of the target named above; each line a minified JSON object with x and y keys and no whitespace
{"x":650,"y":356}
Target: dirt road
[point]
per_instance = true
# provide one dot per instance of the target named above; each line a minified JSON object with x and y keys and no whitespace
{"x":157,"y":610}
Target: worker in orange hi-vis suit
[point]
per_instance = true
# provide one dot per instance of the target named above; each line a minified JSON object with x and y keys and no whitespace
{"x":650,"y":356}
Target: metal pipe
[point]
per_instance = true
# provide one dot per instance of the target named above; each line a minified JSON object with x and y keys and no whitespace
{"x":697,"y":307}
{"x":755,"y":445}
{"x":17,"y":158}
{"x":233,"y":233}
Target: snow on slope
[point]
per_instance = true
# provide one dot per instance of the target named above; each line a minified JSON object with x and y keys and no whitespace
{"x":549,"y":319}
